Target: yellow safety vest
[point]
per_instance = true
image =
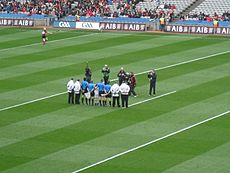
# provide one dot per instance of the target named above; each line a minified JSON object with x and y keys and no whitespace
{"x":162,"y":21}
{"x":215,"y":23}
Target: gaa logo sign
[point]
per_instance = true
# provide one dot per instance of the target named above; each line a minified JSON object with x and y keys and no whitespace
{"x":87,"y":25}
{"x":64,"y":24}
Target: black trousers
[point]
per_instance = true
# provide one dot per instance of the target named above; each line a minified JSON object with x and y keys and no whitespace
{"x":71,"y":97}
{"x":116,"y":99}
{"x":132,"y":90}
{"x":152,"y":87}
{"x":106,"y":79}
{"x":124,"y":100}
{"x":77,"y":98}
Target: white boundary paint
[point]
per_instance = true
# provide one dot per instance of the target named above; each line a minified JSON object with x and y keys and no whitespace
{"x":32,"y":101}
{"x":52,"y":41}
{"x":152,"y":98}
{"x":151,"y":142}
{"x":161,"y":68}
{"x":186,"y":62}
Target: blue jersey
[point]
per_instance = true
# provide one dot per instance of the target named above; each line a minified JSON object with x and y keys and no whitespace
{"x":101,"y":86}
{"x":91,"y":86}
{"x":84,"y":85}
{"x":107,"y":88}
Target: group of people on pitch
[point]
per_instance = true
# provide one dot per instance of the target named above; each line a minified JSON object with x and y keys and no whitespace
{"x":103,"y":93}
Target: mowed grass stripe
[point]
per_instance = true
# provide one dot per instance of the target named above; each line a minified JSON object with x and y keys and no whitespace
{"x":16,"y":36}
{"x":203,"y":64}
{"x":68,"y":50}
{"x":122,"y":140}
{"x":67,"y":71}
{"x":8,"y":31}
{"x":38,"y":47}
{"x":78,"y":133}
{"x":214,"y":160}
{"x":170,"y":152}
{"x":119,"y":141}
{"x":37,"y":108}
{"x":106,"y":146}
{"x":142,"y":91}
{"x":31,"y":37}
{"x":60,"y":99}
{"x":45,"y":89}
{"x":61,"y":61}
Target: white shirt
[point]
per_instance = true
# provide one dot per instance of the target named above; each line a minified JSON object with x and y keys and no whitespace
{"x":115,"y":90}
{"x":96,"y":93}
{"x":124,"y":89}
{"x":77,"y":87}
{"x":70,"y":86}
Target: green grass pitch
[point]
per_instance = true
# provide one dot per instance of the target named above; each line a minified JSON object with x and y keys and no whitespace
{"x":43,"y":134}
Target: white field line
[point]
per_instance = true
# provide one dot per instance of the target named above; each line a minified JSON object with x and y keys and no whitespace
{"x":32,"y":101}
{"x":52,"y":41}
{"x":152,"y":98}
{"x":186,"y":62}
{"x":151,"y":142}
{"x":161,"y":68}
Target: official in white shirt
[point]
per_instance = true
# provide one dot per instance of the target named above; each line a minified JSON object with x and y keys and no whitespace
{"x":115,"y":90}
{"x":124,"y":89}
{"x":77,"y":91}
{"x":70,"y":90}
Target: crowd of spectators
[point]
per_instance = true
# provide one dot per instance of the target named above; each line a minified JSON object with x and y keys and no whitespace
{"x":130,"y":9}
{"x":57,"y":8}
{"x":88,"y":8}
{"x":207,"y":17}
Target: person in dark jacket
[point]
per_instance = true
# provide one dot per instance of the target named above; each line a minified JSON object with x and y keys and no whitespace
{"x":152,"y":76}
{"x":88,"y":73}
{"x":132,"y":84}
{"x":121,"y":76}
{"x":105,"y":71}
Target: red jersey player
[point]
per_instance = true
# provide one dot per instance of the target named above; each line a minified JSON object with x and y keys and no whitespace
{"x":44,"y":36}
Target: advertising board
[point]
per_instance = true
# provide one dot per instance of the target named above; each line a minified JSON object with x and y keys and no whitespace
{"x":16,"y":22}
{"x":122,"y":26}
{"x":198,"y":29}
{"x":87,"y":25}
{"x":64,"y":24}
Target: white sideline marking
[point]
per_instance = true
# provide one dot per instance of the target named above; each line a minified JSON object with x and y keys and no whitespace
{"x":161,"y":68}
{"x":186,"y":62}
{"x":152,"y":98}
{"x":52,"y":41}
{"x":32,"y":101}
{"x":151,"y":142}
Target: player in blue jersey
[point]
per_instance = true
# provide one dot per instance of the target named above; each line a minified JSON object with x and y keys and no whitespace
{"x":108,"y":93}
{"x":84,"y":85}
{"x":90,"y":89}
{"x":96,"y":96}
{"x":101,"y":87}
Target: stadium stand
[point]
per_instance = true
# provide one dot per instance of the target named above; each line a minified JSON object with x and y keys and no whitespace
{"x":206,"y":12}
{"x":31,"y":8}
{"x":210,"y":7}
{"x":116,"y":10}
{"x":93,"y":9}
{"x":177,"y":5}
{"x":121,"y":10}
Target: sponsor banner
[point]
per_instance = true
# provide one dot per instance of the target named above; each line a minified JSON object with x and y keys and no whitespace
{"x":64,"y":24}
{"x":16,"y":22}
{"x":198,"y":29}
{"x":122,"y":26}
{"x":87,"y":25}
{"x":223,"y":31}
